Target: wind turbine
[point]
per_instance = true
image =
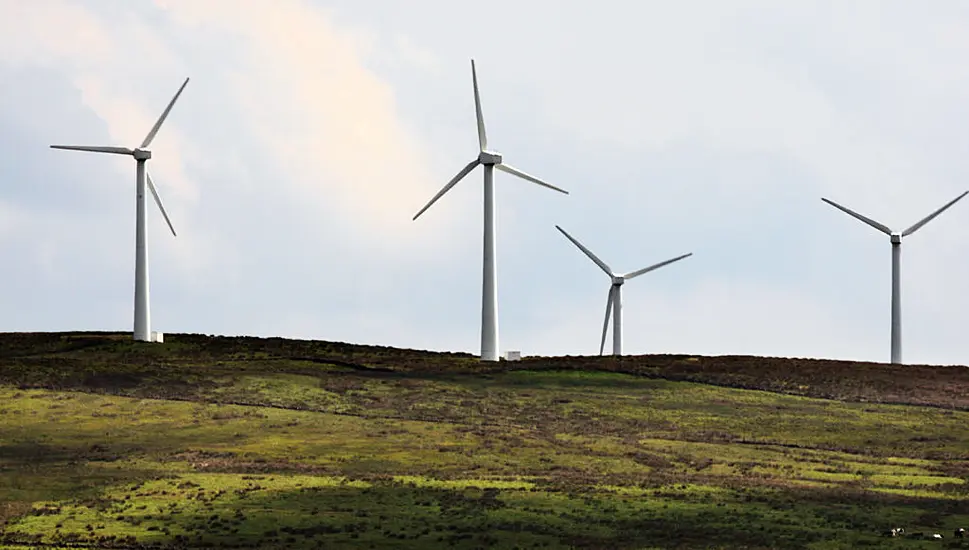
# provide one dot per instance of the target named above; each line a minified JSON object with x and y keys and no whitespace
{"x":614,"y":298}
{"x":490,"y":160}
{"x":896,"y":239}
{"x":141,"y":154}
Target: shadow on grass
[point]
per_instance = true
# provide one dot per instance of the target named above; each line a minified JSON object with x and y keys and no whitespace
{"x":254,"y":511}
{"x":89,"y":361}
{"x":32,"y":472}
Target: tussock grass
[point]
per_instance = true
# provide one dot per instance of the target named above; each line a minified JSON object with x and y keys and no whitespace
{"x":203,"y":442}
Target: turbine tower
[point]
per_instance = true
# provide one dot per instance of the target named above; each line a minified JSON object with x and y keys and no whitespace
{"x":141,"y":154}
{"x":490,"y":159}
{"x":614,"y":298}
{"x":896,"y":239}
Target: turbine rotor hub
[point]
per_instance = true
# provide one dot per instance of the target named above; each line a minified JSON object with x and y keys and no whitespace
{"x":489,"y":158}
{"x":141,"y":154}
{"x":896,"y":238}
{"x":617,"y":280}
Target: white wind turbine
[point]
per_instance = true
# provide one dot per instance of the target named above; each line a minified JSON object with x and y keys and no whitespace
{"x":614,"y":299}
{"x":490,"y":160}
{"x":896,"y":239}
{"x":142,"y":322}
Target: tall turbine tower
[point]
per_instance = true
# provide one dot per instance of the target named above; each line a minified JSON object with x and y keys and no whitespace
{"x":896,"y":239}
{"x":141,"y":154}
{"x":614,"y":299}
{"x":490,"y":160}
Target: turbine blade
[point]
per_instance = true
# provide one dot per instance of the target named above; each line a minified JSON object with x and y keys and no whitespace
{"x":605,"y":323}
{"x":95,"y":149}
{"x":883,"y":228}
{"x":164,"y":115}
{"x":154,"y":193}
{"x":516,"y":172}
{"x":931,"y":216}
{"x":637,"y":273}
{"x":464,"y":172}
{"x":482,"y":135}
{"x":602,"y":265}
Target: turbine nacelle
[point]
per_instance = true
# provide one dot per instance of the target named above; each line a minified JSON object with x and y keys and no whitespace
{"x":485,"y":156}
{"x":896,"y":238}
{"x":492,"y":161}
{"x":614,"y":299}
{"x":142,"y":317}
{"x":140,"y":153}
{"x":489,"y":158}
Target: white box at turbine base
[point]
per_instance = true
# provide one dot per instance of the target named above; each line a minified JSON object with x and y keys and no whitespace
{"x":157,"y":337}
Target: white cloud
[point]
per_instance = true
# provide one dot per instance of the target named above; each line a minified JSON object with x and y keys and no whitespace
{"x":416,"y":55}
{"x":34,"y":34}
{"x":310,"y":135}
{"x":11,"y":220}
{"x":328,"y":124}
{"x":818,"y":82}
{"x":331,"y":125}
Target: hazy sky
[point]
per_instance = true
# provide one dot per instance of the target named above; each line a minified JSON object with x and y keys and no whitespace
{"x":312,"y":131}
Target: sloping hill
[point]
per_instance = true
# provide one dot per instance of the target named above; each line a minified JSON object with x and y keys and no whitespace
{"x":251,"y":442}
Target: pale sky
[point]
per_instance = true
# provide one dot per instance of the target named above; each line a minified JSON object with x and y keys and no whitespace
{"x":312,"y":131}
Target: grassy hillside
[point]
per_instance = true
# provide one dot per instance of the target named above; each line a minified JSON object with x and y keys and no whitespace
{"x":245,"y":442}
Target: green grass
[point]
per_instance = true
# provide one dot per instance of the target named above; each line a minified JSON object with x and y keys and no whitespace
{"x":278,"y":444}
